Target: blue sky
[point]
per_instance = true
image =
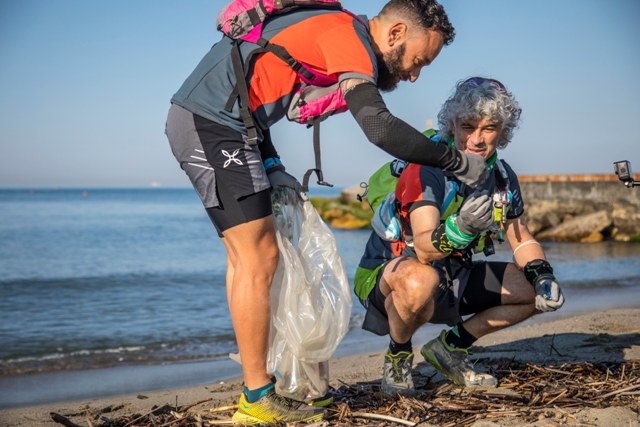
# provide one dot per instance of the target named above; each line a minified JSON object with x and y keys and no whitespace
{"x":85,"y":88}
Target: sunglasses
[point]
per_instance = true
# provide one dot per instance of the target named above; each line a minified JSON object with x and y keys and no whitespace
{"x":479,"y":80}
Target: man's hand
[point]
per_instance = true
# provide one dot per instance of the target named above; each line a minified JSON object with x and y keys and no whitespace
{"x":473,"y":171}
{"x":476,"y":213}
{"x":279,"y":178}
{"x":548,"y":294}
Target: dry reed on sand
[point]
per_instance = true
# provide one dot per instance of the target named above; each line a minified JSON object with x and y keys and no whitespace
{"x":525,"y":390}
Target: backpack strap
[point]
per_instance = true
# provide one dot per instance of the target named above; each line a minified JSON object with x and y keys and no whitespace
{"x":502,"y":178}
{"x":316,"y":151}
{"x":243,"y":92}
{"x":282,"y":53}
{"x":279,"y":51}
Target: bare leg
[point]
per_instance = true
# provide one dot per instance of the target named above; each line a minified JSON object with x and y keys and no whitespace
{"x":231,"y":260}
{"x":409,"y":287}
{"x":518,"y":304}
{"x":253,"y":255}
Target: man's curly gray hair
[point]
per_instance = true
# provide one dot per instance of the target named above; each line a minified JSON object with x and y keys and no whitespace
{"x":480,"y":98}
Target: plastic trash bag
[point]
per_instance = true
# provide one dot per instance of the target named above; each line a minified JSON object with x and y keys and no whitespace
{"x":310,"y":299}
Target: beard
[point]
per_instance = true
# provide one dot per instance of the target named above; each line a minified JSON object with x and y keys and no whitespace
{"x":390,"y":68}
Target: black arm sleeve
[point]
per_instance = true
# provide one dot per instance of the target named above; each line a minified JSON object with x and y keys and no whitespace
{"x":393,"y":135}
{"x":267,"y":150}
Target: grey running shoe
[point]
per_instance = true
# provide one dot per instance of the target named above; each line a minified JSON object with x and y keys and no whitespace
{"x":396,"y":378}
{"x":454,"y":364}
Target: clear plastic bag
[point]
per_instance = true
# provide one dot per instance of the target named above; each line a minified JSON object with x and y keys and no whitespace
{"x":310,"y":299}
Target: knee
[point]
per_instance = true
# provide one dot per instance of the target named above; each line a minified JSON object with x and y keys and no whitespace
{"x":418,"y":290}
{"x":270,"y":257}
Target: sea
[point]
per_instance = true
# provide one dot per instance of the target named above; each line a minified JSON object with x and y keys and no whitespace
{"x":97,"y":278}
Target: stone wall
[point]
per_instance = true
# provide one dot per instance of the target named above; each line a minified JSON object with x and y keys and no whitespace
{"x":581,"y":207}
{"x":597,"y":188}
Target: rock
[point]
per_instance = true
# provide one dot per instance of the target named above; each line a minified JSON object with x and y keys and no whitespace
{"x":348,"y":221}
{"x":594,"y":237}
{"x":626,"y":220}
{"x":349,"y":194}
{"x":543,"y":214}
{"x":578,"y":228}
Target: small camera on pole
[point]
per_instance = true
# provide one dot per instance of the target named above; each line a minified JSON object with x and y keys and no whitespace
{"x":623,"y":170}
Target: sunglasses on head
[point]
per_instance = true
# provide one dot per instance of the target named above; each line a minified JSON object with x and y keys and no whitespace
{"x":479,"y":80}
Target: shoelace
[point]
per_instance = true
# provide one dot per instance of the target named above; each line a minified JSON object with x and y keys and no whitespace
{"x":397,"y":369}
{"x":467,"y":353}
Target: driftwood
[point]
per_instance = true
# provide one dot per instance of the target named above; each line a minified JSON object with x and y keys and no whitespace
{"x":525,"y":391}
{"x":63,"y":420}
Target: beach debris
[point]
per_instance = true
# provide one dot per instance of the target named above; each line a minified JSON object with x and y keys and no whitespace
{"x":60,"y":419}
{"x":528,"y":392}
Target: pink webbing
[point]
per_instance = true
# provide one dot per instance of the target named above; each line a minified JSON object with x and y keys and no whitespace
{"x":333,"y":101}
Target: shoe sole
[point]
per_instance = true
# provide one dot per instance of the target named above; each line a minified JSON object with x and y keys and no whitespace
{"x":320,"y":402}
{"x":430,"y":357}
{"x":245,"y":419}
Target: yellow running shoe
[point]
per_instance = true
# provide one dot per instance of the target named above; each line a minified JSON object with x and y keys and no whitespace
{"x":273,"y":408}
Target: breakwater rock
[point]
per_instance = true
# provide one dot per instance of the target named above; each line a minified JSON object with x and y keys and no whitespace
{"x":564,"y":208}
{"x":581,"y":208}
{"x":350,"y":215}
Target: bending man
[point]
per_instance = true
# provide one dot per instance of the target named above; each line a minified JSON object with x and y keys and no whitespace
{"x":429,"y":275}
{"x":212,"y":133}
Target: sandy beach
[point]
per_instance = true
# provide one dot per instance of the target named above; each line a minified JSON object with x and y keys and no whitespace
{"x":599,"y":337}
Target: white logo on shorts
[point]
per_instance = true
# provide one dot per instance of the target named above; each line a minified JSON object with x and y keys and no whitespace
{"x":231,"y":158}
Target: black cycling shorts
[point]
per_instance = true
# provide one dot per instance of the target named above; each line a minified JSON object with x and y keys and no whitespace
{"x":231,"y":212}
{"x":484,"y":287}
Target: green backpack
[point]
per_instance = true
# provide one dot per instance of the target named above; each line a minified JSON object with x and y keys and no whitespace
{"x":384,"y":180}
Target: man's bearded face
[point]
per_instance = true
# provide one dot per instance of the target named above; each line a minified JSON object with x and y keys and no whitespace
{"x":390,"y":70}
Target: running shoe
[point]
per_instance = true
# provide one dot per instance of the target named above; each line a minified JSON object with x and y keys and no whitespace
{"x":396,"y":377}
{"x":321,"y":402}
{"x":454,"y":363}
{"x":273,"y":408}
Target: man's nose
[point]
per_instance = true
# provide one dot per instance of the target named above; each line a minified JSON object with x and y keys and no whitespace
{"x":414,"y":74}
{"x":476,"y":137}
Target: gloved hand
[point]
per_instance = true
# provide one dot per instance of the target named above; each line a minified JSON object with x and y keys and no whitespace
{"x":474,"y":170}
{"x":548,"y":294}
{"x":279,"y":178}
{"x":476,"y":213}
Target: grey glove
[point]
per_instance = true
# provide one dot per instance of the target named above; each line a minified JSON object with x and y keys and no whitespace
{"x":279,"y":178}
{"x":476,"y":213}
{"x":548,"y":294}
{"x":474,"y":172}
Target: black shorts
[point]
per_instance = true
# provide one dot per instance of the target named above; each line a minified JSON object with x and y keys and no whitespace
{"x":484,"y":288}
{"x":231,"y":212}
{"x":226,"y":172}
{"x":482,"y":291}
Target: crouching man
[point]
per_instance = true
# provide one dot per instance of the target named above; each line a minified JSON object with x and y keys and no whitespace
{"x":427,"y":275}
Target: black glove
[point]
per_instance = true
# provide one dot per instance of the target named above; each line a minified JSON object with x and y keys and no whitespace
{"x":279,"y":178}
{"x":548,"y":293}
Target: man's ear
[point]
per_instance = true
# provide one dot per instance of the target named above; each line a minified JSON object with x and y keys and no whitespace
{"x":397,"y":33}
